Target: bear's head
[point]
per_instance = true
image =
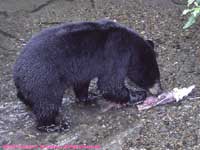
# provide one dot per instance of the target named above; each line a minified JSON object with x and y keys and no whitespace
{"x":143,"y":68}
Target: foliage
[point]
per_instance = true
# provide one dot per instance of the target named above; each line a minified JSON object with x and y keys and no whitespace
{"x":193,"y":10}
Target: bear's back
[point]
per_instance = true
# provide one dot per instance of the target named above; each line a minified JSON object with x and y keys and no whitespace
{"x":101,"y":25}
{"x":81,"y":45}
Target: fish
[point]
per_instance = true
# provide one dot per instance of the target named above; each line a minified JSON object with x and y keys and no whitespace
{"x":166,"y":97}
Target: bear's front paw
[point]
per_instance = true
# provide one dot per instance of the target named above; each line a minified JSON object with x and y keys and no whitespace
{"x":60,"y":127}
{"x":137,"y":96}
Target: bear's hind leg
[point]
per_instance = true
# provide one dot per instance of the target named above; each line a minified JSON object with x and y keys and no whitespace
{"x":47,"y":103}
{"x":46,"y":115}
{"x":23,"y":99}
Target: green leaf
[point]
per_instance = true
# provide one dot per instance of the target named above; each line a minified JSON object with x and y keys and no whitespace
{"x":186,"y":11}
{"x":196,"y":12}
{"x":196,"y":4}
{"x":190,"y":2}
{"x":190,"y":22}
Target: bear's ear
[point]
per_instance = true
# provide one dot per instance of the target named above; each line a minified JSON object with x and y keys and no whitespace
{"x":150,"y":43}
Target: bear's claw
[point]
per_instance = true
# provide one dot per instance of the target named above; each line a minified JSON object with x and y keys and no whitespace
{"x":137,"y":96}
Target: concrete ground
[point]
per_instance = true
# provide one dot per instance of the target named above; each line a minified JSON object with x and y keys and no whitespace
{"x":173,"y":127}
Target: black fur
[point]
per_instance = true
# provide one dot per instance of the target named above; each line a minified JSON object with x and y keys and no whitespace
{"x":72,"y":55}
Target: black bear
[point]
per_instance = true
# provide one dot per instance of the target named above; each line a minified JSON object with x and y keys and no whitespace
{"x":75,"y":53}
